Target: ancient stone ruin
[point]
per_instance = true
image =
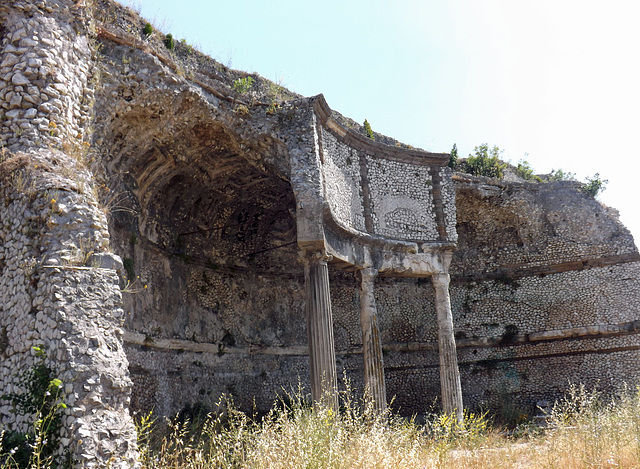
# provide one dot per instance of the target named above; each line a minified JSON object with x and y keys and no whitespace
{"x":169,"y":236}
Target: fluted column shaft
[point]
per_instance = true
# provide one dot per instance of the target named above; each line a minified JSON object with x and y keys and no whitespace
{"x":449,"y":373}
{"x":322,"y":356}
{"x":371,"y":343}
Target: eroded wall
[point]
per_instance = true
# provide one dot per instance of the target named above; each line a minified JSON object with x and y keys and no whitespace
{"x":58,"y":282}
{"x":544,"y":292}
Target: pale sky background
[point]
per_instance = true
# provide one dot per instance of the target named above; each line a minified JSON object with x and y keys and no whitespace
{"x":557,"y":79}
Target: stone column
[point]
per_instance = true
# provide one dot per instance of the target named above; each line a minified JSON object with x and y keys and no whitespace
{"x":371,"y":344}
{"x":449,"y":373}
{"x":322,"y":356}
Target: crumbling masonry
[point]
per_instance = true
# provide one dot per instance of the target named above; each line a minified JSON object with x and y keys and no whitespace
{"x":167,"y":240}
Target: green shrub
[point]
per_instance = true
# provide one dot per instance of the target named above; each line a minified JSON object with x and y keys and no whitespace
{"x":594,"y":185}
{"x":243,"y":85}
{"x":368,"y":131}
{"x":525,"y":171}
{"x":41,"y":398}
{"x":560,"y":175}
{"x":485,"y":162}
{"x":129,"y":268}
{"x":453,"y":157}
{"x":147,"y":30}
{"x":169,"y":42}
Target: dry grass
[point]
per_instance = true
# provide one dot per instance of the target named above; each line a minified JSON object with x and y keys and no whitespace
{"x":585,"y":430}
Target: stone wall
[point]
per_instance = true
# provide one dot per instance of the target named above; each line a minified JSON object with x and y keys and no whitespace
{"x":544,"y":288}
{"x":234,"y":320}
{"x":395,"y":196}
{"x":59,"y":287}
{"x":342,"y":173}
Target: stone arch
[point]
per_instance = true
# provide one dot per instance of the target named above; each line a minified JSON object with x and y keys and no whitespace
{"x":207,"y":223}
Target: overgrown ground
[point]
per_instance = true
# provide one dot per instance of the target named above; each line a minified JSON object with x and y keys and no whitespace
{"x":585,"y":430}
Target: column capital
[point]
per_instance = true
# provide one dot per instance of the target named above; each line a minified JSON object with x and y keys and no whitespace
{"x":316,"y":256}
{"x":368,"y":274}
{"x":441,"y":279}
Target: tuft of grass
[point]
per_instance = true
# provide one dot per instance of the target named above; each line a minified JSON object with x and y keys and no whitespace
{"x":296,"y":435}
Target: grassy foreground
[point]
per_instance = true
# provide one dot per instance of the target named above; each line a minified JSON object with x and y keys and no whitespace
{"x":584,"y":430}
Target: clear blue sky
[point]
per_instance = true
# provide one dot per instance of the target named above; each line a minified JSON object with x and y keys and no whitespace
{"x":557,"y":79}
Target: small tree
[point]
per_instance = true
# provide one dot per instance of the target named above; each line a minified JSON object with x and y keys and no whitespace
{"x":169,"y":43}
{"x":368,"y":131}
{"x":485,"y":162}
{"x":594,"y":185}
{"x":243,"y":85}
{"x":453,"y":158}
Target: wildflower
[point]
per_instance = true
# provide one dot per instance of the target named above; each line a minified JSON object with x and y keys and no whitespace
{"x":53,"y":201}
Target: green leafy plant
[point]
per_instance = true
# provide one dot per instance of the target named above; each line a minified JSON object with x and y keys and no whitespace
{"x":40,"y":397}
{"x":243,"y":85}
{"x":187,"y":47}
{"x":368,"y":131}
{"x":560,"y":175}
{"x":485,"y":162}
{"x":129,"y":268}
{"x":525,"y":171}
{"x":147,"y":30}
{"x":594,"y":185}
{"x":453,"y":157}
{"x":169,"y":42}
{"x":275,"y":96}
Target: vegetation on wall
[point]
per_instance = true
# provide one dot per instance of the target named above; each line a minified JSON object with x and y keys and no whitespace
{"x":453,"y":157}
{"x":39,"y":399}
{"x":169,"y":42}
{"x":526,"y":172}
{"x":368,"y":131}
{"x":485,"y":161}
{"x":243,"y":85}
{"x":560,"y":175}
{"x":594,"y":185}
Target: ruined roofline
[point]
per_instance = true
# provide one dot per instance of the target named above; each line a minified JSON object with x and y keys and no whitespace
{"x":363,"y":143}
{"x":332,"y":120}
